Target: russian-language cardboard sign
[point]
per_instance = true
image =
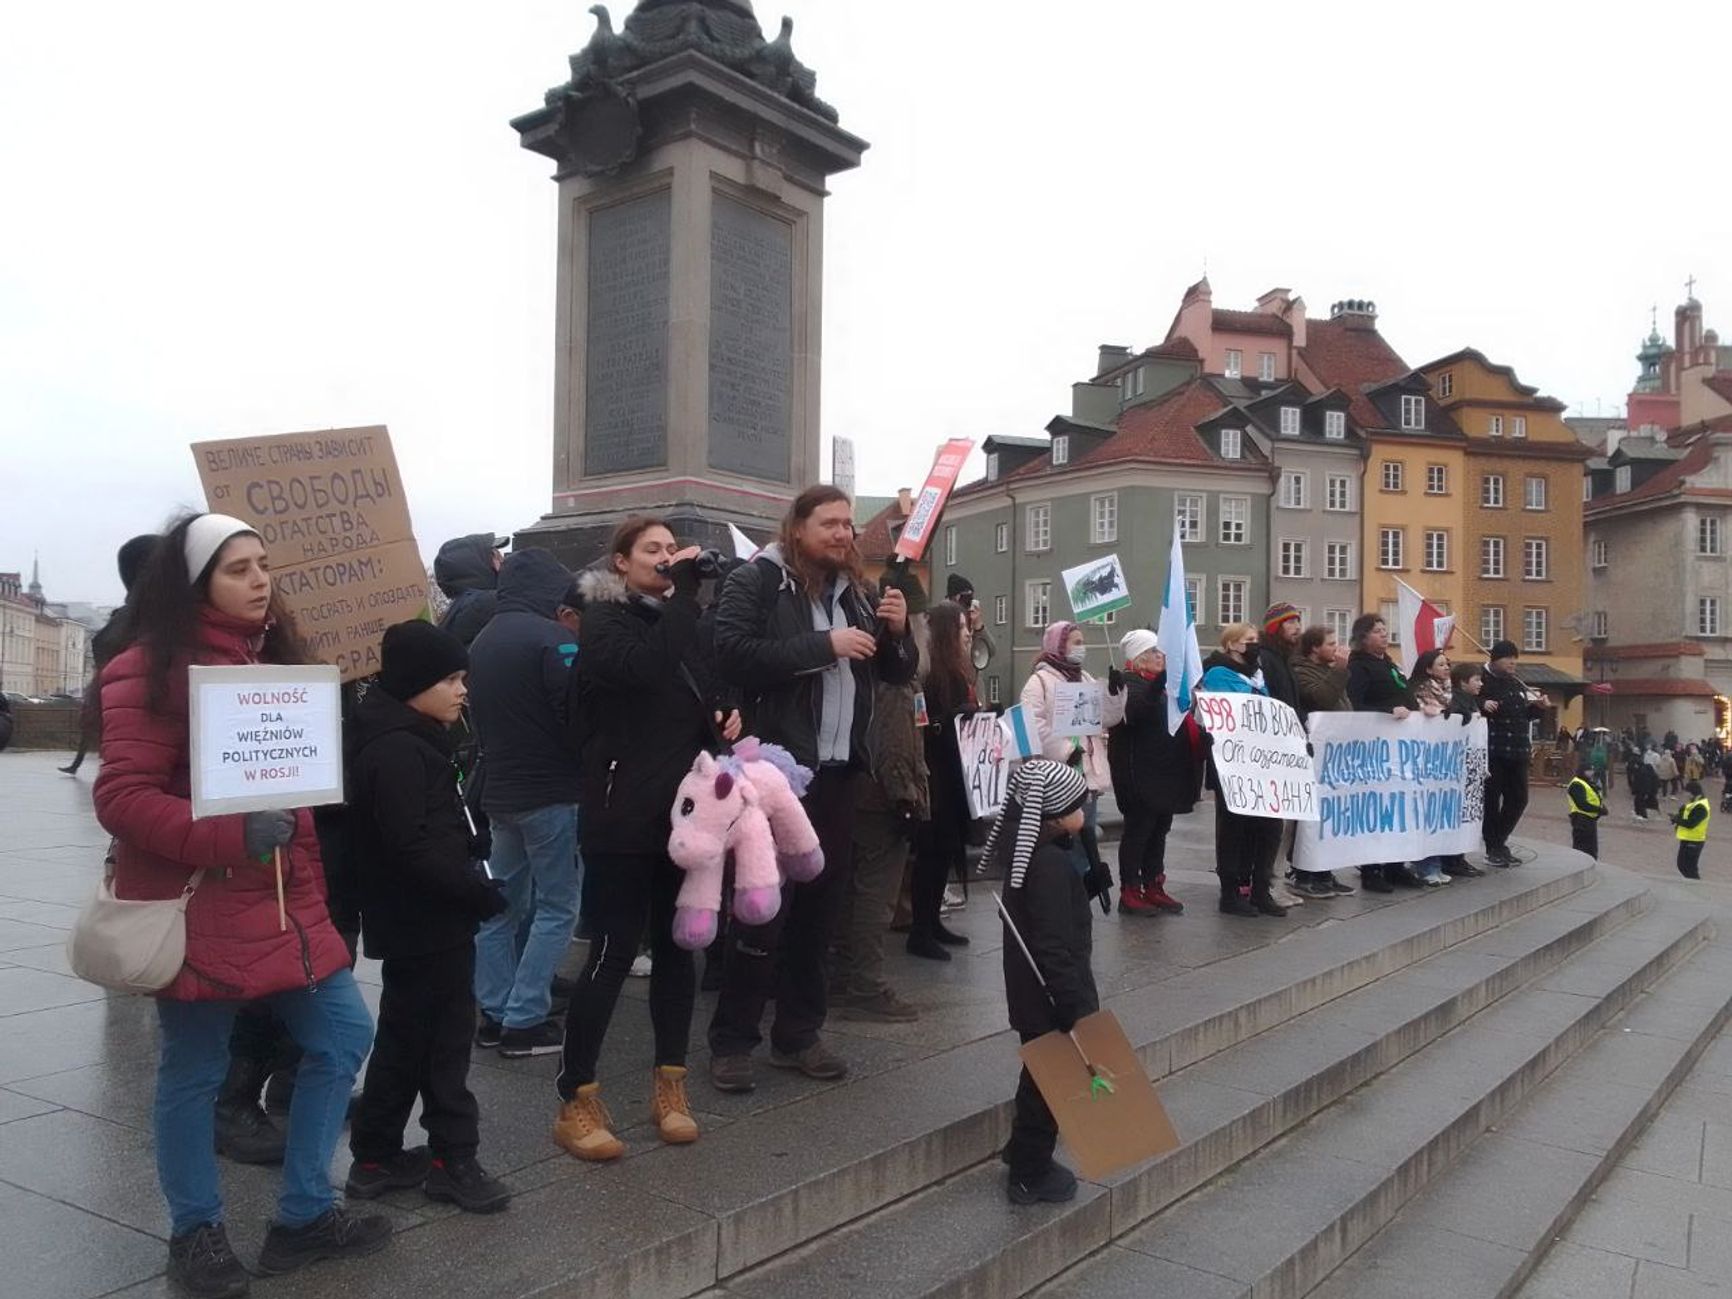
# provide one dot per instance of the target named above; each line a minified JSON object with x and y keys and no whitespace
{"x":1078,"y":707}
{"x":946,"y":468}
{"x":986,"y":755}
{"x":334,"y":518}
{"x":1393,"y":791}
{"x":265,"y":737}
{"x":1096,"y":588}
{"x":1262,"y":766}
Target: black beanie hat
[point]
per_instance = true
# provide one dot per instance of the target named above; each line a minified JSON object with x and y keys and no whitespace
{"x":416,"y":655}
{"x":133,"y":556}
{"x":955,"y":585}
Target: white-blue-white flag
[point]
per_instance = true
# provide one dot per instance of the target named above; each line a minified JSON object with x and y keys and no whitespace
{"x":1178,"y":633}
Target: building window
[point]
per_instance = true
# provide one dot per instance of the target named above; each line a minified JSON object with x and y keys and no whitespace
{"x":1621,"y":478}
{"x":1265,"y":366}
{"x":1587,"y":487}
{"x":1108,"y":618}
{"x":1496,"y":426}
{"x":1294,"y":560}
{"x":1491,"y":624}
{"x":1708,"y":616}
{"x":1232,"y":444}
{"x":1000,"y":610}
{"x":1039,"y":528}
{"x":1446,"y":384}
{"x":1534,"y":629}
{"x":1338,"y":493}
{"x":1194,"y":598}
{"x":1289,"y":421}
{"x":1232,"y":601}
{"x":1412,"y":412}
{"x":1392,"y":478}
{"x":1295,"y":489}
{"x":992,"y":466}
{"x":1037,"y":597}
{"x":1390,"y":612}
{"x":1335,"y":425}
{"x":1139,"y":377}
{"x":1599,"y":552}
{"x":1491,"y":492}
{"x":1436,"y":551}
{"x":950,"y":546}
{"x":1235,"y":520}
{"x":1235,"y":363}
{"x":1338,"y":561}
{"x":1188,"y":515}
{"x":1061,"y":450}
{"x":1535,"y":559}
{"x":1519,"y":429}
{"x":993,"y":693}
{"x":1391,"y":547}
{"x":1340,"y":621}
{"x":1708,"y":535}
{"x":1436,"y":480}
{"x":1104,"y":518}
{"x":1599,"y":625}
{"x":1533,"y":493}
{"x":1491,"y":557}
{"x":1001,"y":538}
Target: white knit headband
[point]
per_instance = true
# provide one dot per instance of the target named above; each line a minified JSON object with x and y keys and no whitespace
{"x":206,"y":535}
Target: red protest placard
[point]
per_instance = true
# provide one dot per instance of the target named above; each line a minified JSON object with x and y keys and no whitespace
{"x":946,"y":468}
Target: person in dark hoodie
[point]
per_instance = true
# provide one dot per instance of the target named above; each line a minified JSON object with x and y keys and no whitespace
{"x":799,"y":636}
{"x":422,"y":896}
{"x":467,"y":570}
{"x":113,"y":637}
{"x":518,"y":670}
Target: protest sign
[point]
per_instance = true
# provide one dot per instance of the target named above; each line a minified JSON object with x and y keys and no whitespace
{"x":332,"y":513}
{"x":1391,"y":790}
{"x":986,"y":759}
{"x":1096,"y":588}
{"x":946,"y":468}
{"x":1262,"y":767}
{"x":1077,"y":707}
{"x":1105,"y":1127}
{"x":264,"y":737}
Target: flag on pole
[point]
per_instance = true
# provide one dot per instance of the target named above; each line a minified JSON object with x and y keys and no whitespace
{"x":1022,"y":732}
{"x":744,"y":546}
{"x":1178,"y":633}
{"x":1423,"y":625}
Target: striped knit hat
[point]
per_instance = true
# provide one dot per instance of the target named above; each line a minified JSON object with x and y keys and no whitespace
{"x":1278,"y":613}
{"x":1040,"y":790}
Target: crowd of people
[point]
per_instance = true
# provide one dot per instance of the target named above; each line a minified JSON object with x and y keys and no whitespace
{"x":511,"y":773}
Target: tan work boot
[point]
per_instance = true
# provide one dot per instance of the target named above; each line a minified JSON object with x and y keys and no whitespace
{"x":583,"y":1127}
{"x":668,"y":1108}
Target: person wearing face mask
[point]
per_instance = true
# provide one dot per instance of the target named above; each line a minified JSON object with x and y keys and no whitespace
{"x":1244,"y":858}
{"x":1156,"y":773}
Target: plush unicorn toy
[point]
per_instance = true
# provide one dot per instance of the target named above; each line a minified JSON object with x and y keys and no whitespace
{"x":746,"y":803}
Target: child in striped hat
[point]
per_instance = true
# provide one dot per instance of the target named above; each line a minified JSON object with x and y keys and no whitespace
{"x":1047,"y":899}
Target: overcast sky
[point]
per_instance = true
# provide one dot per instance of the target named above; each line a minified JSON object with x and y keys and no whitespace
{"x":226,"y":219}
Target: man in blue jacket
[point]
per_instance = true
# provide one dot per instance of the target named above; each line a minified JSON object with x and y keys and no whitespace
{"x":529,"y":778}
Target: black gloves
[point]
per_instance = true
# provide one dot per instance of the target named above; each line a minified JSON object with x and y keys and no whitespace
{"x":1115,"y":681}
{"x":490,"y":900}
{"x":481,"y":844}
{"x":265,"y":832}
{"x":1063,"y":1017}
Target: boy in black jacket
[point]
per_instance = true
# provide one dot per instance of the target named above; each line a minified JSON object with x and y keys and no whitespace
{"x":422,"y":896}
{"x":1047,"y":900}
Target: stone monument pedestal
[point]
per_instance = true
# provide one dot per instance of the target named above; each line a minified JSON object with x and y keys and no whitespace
{"x":690,"y":285}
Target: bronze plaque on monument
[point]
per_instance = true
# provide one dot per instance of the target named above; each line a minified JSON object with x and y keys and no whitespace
{"x":626,"y":370}
{"x":751,"y":341}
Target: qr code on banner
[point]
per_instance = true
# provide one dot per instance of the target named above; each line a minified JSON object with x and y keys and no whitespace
{"x":1476,"y":767}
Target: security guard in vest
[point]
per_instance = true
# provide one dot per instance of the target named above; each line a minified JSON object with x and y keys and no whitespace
{"x":1692,"y":823}
{"x":1587,"y":806}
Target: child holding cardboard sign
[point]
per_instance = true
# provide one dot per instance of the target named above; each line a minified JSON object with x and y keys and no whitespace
{"x":1048,"y":903}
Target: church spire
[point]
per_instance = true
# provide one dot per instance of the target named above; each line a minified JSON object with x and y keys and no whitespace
{"x":36,"y":578}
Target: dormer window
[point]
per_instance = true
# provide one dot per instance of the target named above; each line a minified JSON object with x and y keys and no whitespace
{"x":1061,"y":450}
{"x":1335,"y":425}
{"x":1621,"y":478}
{"x":1266,"y":366}
{"x":1232,"y":444}
{"x":992,"y":466}
{"x":1446,"y":384}
{"x":1289,"y":421}
{"x":1235,"y":363}
{"x":1413,"y":413}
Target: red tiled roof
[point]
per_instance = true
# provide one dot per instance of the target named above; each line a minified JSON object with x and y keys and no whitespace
{"x":1720,"y":385}
{"x":875,"y":540}
{"x":1178,"y":349}
{"x":1250,"y":322}
{"x":1663,"y":687}
{"x":1162,"y":430}
{"x":1351,"y":359}
{"x":1668,"y":479}
{"x":1654,"y":650}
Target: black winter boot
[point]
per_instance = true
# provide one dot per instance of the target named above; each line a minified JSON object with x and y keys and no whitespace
{"x":244,"y":1133}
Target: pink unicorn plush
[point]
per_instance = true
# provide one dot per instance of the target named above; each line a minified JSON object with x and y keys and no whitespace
{"x":746,"y":804}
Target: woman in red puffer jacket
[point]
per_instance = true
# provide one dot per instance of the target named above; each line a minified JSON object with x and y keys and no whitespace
{"x":207,"y":598}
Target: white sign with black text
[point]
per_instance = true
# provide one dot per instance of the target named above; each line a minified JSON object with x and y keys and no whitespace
{"x":1262,"y":760}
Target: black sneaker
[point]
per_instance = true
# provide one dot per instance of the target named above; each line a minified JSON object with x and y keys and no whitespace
{"x":1463,"y":870}
{"x":463,"y":1182}
{"x":201,"y":1263}
{"x":1337,"y":887}
{"x":488,"y":1032}
{"x":1054,"y":1186}
{"x":369,"y":1179}
{"x":545,"y":1038}
{"x":1234,"y":904}
{"x":336,"y":1233}
{"x":1373,"y":882}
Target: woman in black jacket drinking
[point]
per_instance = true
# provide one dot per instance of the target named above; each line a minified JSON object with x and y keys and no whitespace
{"x":643,"y":707}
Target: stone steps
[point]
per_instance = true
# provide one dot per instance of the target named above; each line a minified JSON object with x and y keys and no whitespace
{"x":962,"y":1238}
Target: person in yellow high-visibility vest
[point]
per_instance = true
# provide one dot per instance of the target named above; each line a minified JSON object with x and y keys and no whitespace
{"x":1692,"y":823}
{"x":1587,"y":806}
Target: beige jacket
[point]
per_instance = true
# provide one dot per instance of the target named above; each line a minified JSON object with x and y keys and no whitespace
{"x":1037,"y":702}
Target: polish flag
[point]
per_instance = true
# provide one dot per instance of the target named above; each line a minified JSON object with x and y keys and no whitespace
{"x":1423,"y":625}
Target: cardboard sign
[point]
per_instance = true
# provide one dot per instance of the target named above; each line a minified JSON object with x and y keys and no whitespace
{"x":1391,"y":790}
{"x":1262,"y":766}
{"x":1096,"y":588}
{"x":1078,"y":707}
{"x":265,"y":737}
{"x":1105,"y":1128}
{"x":923,"y":518}
{"x":986,"y":756}
{"x":331,"y":510}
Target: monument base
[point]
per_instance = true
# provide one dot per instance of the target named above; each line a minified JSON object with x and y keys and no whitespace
{"x":579,"y":540}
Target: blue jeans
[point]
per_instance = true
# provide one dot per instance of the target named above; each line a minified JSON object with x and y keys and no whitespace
{"x":331,"y":1026}
{"x":1428,"y":868}
{"x":535,"y":857}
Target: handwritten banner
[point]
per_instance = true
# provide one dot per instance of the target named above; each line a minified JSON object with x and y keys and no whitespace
{"x":264,"y":738}
{"x":1262,"y":766}
{"x":986,"y":756}
{"x":1393,"y":791}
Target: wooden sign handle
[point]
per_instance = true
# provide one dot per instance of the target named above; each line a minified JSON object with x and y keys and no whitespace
{"x":282,"y":910}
